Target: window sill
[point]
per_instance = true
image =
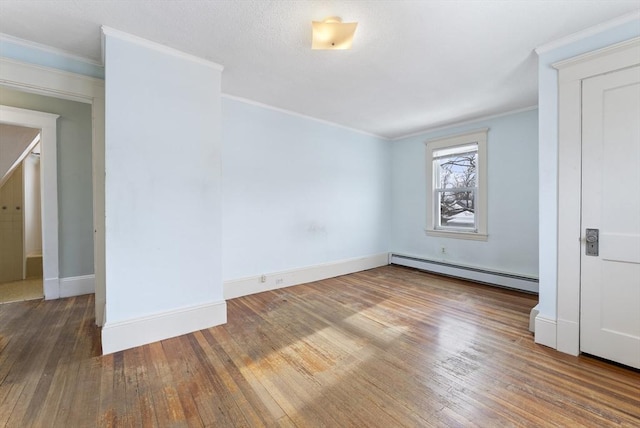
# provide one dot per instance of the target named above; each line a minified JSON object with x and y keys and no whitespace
{"x":471,"y":236}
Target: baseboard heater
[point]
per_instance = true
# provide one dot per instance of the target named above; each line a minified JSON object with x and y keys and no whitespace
{"x":484,"y":276}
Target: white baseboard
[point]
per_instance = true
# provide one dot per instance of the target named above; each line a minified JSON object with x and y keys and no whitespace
{"x":532,"y":318}
{"x":59,"y":288}
{"x":568,"y":337}
{"x":118,"y":336}
{"x":101,"y":308}
{"x":545,"y":332}
{"x":274,"y":280}
{"x":77,"y":286}
{"x":51,"y":288}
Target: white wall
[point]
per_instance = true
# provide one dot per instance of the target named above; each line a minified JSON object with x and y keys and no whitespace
{"x":596,"y":38}
{"x":162,"y":193}
{"x":512,"y":198}
{"x":32,"y":211}
{"x":298,"y":192}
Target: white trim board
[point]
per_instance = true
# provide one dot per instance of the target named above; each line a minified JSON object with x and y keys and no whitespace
{"x":46,"y":48}
{"x":61,"y":288}
{"x":464,"y":122}
{"x":545,"y":331}
{"x":591,"y":31}
{"x":50,"y":81}
{"x":77,"y":286}
{"x":112,"y":32}
{"x":275,"y":280}
{"x":303,"y":116}
{"x":118,"y":336}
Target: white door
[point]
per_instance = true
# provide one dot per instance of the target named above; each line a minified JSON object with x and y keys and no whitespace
{"x":610,"y":281}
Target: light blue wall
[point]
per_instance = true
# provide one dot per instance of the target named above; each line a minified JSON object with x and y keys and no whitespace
{"x":548,"y":152}
{"x":47,"y":58}
{"x":163,"y":200}
{"x":75,"y":194}
{"x":298,"y":192}
{"x":512,"y":146}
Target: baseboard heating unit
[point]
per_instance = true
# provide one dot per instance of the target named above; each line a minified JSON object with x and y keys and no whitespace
{"x":501,"y":279}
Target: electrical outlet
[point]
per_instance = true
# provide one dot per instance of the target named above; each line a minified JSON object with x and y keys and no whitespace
{"x":278,"y":281}
{"x":443,"y":250}
{"x":263,"y":278}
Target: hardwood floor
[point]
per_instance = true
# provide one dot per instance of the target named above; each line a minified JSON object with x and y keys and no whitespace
{"x":383,"y":348}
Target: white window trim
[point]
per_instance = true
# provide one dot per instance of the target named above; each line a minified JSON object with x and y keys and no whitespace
{"x":477,"y":136}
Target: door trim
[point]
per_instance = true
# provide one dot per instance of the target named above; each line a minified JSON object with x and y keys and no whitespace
{"x":571,"y":72}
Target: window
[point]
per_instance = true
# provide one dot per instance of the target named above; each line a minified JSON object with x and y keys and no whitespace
{"x":457,"y":183}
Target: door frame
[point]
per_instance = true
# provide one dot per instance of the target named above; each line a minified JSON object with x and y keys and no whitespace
{"x":46,"y":123}
{"x":571,"y":72}
{"x":75,"y":87}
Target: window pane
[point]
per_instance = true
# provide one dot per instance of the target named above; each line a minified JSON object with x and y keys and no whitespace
{"x":457,"y":209}
{"x":457,"y":170}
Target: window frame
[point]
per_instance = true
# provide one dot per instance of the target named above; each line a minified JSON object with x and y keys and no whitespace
{"x":479,"y":137}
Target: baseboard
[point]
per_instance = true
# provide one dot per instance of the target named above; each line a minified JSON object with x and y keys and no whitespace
{"x":274,"y":280}
{"x":59,"y":288}
{"x":532,"y":318}
{"x":118,"y":336}
{"x":471,"y":273}
{"x":545,"y":332}
{"x":51,"y":288}
{"x":568,"y":337}
{"x":77,"y":286}
{"x":101,"y":307}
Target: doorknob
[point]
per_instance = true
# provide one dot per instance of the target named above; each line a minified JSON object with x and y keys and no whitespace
{"x":592,"y":238}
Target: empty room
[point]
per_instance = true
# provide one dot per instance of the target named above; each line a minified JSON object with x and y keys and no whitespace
{"x":319,"y":213}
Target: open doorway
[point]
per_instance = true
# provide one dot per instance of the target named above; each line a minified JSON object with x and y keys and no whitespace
{"x":28,"y":203}
{"x":79,"y":100}
{"x":21,"y":274}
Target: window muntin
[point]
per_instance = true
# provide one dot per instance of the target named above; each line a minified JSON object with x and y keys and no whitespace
{"x":456,"y":181}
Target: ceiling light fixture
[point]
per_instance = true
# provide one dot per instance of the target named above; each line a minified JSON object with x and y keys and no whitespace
{"x":332,"y":33}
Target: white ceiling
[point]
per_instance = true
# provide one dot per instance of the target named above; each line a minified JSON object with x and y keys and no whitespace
{"x":414,"y":65}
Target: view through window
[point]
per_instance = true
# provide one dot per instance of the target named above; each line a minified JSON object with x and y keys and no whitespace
{"x":455,"y":172}
{"x":457,"y":183}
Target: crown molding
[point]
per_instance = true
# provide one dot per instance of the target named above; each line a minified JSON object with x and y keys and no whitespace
{"x":55,"y":51}
{"x":303,"y":116}
{"x":583,"y":34}
{"x":108,"y":31}
{"x":465,"y":122}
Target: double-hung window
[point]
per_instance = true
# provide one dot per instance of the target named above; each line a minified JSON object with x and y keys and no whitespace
{"x":457,"y":185}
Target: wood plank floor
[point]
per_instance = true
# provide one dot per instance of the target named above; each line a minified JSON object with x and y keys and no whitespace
{"x":388,"y":347}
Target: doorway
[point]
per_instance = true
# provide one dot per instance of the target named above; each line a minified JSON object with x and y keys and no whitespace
{"x":44,"y":125}
{"x":610,"y":264}
{"x":20,"y":214}
{"x":599,"y":145}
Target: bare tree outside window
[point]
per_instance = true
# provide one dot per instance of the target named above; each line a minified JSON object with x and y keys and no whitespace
{"x":457,"y":187}
{"x":457,"y":183}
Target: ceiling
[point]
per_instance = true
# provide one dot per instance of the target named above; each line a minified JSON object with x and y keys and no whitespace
{"x":415,"y":65}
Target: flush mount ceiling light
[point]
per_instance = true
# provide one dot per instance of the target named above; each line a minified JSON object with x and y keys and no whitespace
{"x":332,"y":33}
